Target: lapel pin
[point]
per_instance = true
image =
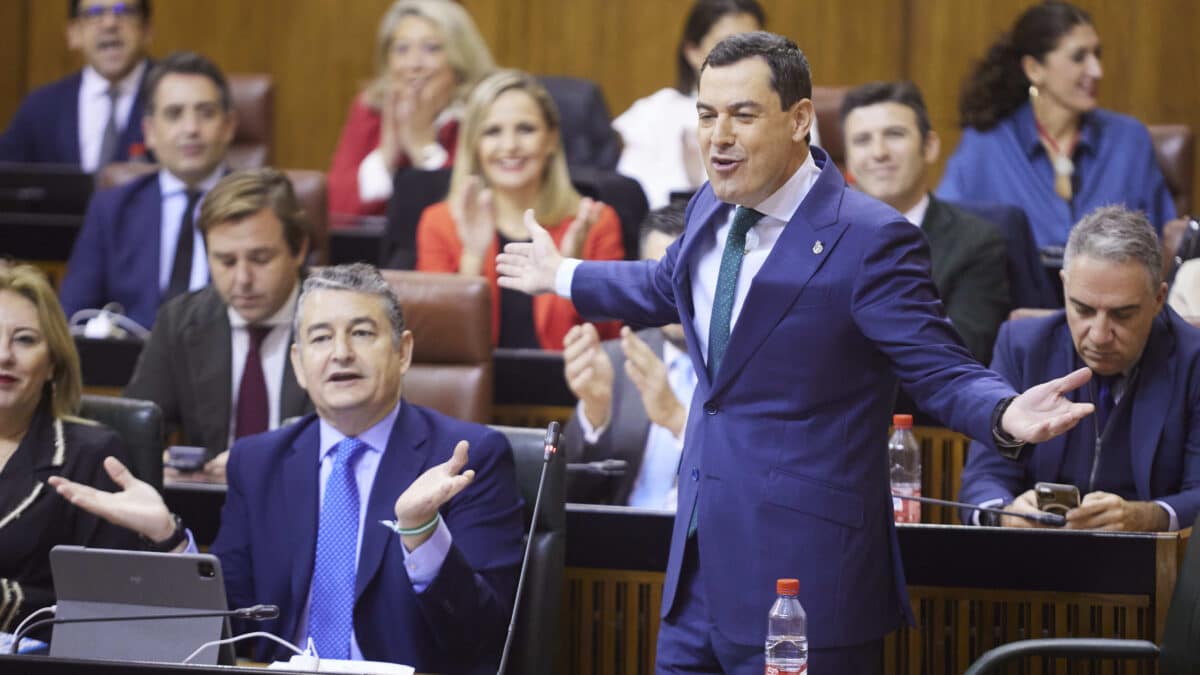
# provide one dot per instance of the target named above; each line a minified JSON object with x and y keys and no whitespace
{"x":818,"y":247}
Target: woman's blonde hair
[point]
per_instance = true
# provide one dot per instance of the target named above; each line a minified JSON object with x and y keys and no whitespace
{"x":557,"y":198}
{"x":465,"y":49}
{"x":29,"y":282}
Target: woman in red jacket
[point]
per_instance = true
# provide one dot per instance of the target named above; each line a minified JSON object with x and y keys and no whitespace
{"x":511,"y":160}
{"x":428,"y":55}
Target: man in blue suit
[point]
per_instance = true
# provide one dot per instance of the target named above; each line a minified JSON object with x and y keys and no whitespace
{"x":139,"y":245}
{"x":1138,"y":465}
{"x":800,"y":312}
{"x":303,"y":524}
{"x":92,"y":117}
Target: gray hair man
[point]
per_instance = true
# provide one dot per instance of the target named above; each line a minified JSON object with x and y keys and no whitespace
{"x":1135,"y":462}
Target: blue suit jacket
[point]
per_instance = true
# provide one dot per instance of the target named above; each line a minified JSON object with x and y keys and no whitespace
{"x":785,"y":450}
{"x":268,"y":535}
{"x":45,"y":128}
{"x":1162,"y":439}
{"x":116,"y":255}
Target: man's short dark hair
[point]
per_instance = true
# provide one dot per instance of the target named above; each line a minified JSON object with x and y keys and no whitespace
{"x":667,"y":220}
{"x":184,"y":63}
{"x":903,"y":92}
{"x":73,"y":8}
{"x":790,"y":75}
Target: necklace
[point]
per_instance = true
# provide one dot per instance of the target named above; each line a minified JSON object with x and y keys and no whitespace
{"x":1064,"y":168}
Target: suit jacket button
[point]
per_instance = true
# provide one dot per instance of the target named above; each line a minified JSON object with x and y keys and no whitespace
{"x":710,"y":408}
{"x":695,"y":474}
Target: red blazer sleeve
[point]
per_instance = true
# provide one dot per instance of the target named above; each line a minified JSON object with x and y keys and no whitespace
{"x":438,"y":247}
{"x":360,"y":136}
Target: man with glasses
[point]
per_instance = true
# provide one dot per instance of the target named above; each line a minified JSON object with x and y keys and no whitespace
{"x":92,"y":117}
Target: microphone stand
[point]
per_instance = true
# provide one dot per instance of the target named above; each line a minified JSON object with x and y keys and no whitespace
{"x":551,"y":448}
{"x":1043,"y":518}
{"x":253,"y":613}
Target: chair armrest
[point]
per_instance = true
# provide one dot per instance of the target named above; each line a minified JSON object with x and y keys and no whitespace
{"x":993,"y":660}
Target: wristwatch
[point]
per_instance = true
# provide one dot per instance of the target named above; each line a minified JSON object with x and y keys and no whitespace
{"x":170,"y":543}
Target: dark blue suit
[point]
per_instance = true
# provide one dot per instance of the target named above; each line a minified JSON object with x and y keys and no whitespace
{"x":1156,"y":425}
{"x":268,"y":537}
{"x":116,"y":255}
{"x":785,"y":455}
{"x":45,"y":128}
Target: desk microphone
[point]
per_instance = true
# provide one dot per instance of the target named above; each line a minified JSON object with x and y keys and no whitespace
{"x":551,"y":449}
{"x":1042,"y":517}
{"x":253,"y":613}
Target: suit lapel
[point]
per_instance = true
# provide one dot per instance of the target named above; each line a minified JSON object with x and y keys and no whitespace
{"x":301,"y":469}
{"x":706,"y":217}
{"x":1048,"y":457}
{"x":292,"y":399}
{"x":1155,"y":382}
{"x":213,"y":371}
{"x":792,"y":262}
{"x":401,"y":463}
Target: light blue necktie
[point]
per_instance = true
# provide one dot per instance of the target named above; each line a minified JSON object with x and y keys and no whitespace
{"x":331,"y":607}
{"x":731,"y":264}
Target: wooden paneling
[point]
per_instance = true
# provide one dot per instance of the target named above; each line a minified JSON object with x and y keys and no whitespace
{"x":319,"y":51}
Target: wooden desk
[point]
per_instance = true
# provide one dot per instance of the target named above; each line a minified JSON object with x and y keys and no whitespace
{"x":971,"y":588}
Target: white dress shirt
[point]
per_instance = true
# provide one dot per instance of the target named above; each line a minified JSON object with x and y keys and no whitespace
{"x":174,"y":201}
{"x":273,"y":352}
{"x":916,"y":215}
{"x":777,"y":210}
{"x":95,"y":109}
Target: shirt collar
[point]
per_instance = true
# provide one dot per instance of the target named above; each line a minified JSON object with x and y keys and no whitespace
{"x":916,"y":215}
{"x":170,"y":184}
{"x":1025,"y":127}
{"x":93,"y":85}
{"x":376,"y":438}
{"x":782,"y":204}
{"x":281,"y":317}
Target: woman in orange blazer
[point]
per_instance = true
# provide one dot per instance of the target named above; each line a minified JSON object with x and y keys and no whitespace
{"x":511,"y":160}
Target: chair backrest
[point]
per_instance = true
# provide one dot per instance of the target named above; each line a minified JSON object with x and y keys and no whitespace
{"x":254,"y":101}
{"x":536,"y":639}
{"x":828,"y":103}
{"x":1029,"y":284}
{"x":588,"y":138}
{"x":1175,"y":150}
{"x":451,"y":320}
{"x":1181,"y":633}
{"x":140,"y":426}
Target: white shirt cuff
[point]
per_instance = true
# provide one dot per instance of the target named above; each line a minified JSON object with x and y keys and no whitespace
{"x":591,"y":436}
{"x":374,"y":178}
{"x":424,"y":562}
{"x":192,"y":548}
{"x":1174,"y":526}
{"x":564,"y":277}
{"x":989,"y":504}
{"x":431,"y":157}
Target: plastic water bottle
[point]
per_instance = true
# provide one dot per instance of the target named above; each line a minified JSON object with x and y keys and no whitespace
{"x":787,"y":631}
{"x":904,"y":456}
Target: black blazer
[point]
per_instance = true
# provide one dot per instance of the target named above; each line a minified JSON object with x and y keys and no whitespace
{"x":186,"y":368}
{"x":50,"y":520}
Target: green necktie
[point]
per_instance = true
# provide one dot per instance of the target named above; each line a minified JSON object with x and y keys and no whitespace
{"x":731,"y":264}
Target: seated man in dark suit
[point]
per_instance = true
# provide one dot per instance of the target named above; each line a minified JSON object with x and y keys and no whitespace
{"x":216,"y":362}
{"x":92,"y":117}
{"x":634,"y":394}
{"x":1137,"y":462}
{"x":890,"y":148}
{"x":138,"y":245}
{"x":435,"y":593}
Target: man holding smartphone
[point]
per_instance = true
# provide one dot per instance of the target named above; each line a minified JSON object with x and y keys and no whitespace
{"x":1136,"y":462}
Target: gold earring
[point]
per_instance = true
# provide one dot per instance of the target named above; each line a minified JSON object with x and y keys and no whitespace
{"x":1033,"y":91}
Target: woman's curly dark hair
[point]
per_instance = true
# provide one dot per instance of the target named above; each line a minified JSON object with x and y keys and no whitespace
{"x":998,"y":85}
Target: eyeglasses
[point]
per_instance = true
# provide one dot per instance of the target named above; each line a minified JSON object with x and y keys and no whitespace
{"x":120,"y":10}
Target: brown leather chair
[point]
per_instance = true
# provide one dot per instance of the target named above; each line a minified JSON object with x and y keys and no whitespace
{"x":310,"y":187}
{"x":450,"y":317}
{"x":1175,"y":150}
{"x":828,"y":104}
{"x":254,"y":101}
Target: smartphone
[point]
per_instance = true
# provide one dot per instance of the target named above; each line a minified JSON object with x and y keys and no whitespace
{"x":1056,"y":497}
{"x":185,"y":458}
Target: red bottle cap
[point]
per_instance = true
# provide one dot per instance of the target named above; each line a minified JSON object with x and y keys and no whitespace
{"x":902,"y":421}
{"x":787,"y":586}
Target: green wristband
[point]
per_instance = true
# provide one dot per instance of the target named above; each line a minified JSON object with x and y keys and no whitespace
{"x":412,"y":532}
